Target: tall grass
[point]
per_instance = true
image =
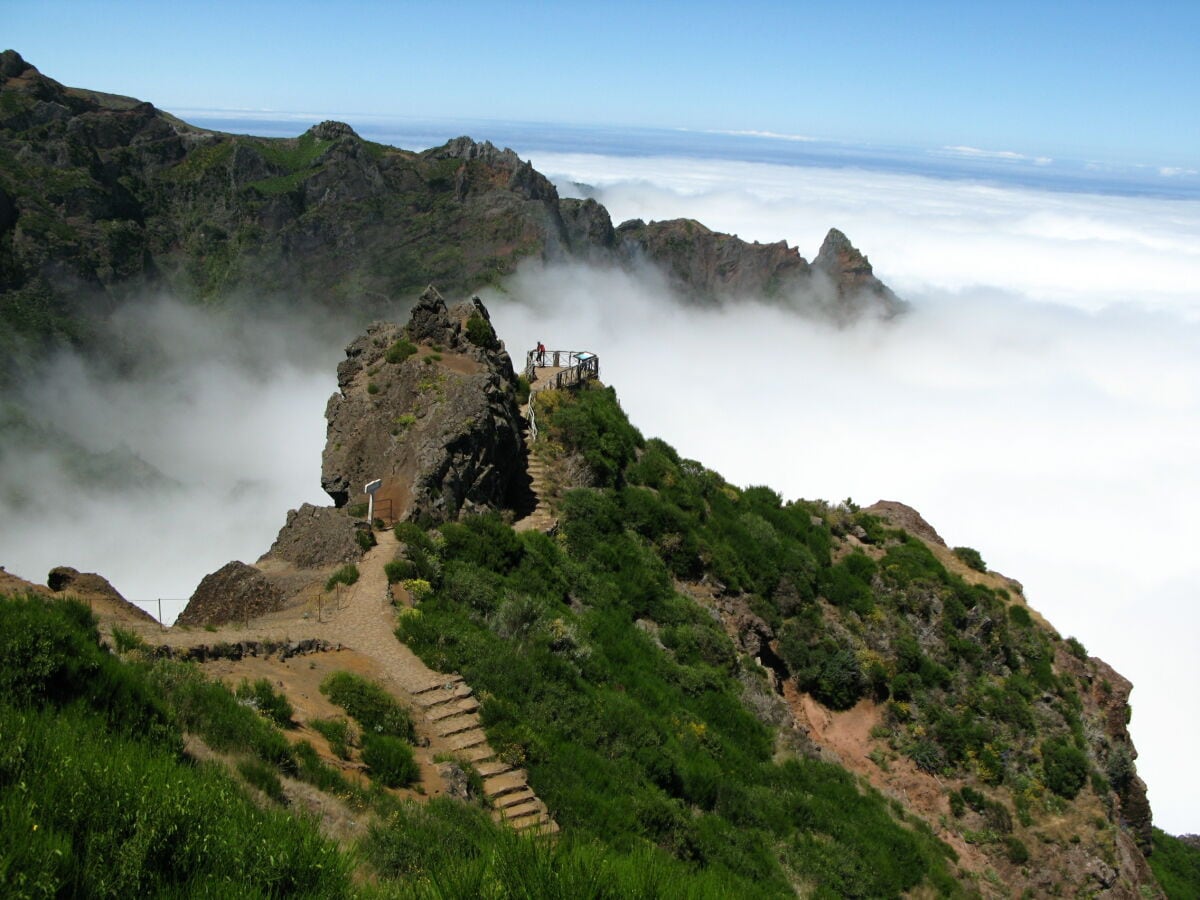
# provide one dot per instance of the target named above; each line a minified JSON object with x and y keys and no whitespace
{"x":96,"y":798}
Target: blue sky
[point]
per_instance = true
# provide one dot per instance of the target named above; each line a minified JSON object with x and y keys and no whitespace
{"x":1108,"y":81}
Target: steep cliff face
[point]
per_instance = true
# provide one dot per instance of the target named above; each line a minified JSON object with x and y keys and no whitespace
{"x":430,"y":408}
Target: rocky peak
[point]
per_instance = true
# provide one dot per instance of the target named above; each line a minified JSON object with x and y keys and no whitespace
{"x":331,"y":131}
{"x":12,"y":64}
{"x":470,"y":150}
{"x":852,"y":275}
{"x":430,"y":409}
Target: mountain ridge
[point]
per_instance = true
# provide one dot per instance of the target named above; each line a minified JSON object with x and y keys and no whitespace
{"x":104,"y":198}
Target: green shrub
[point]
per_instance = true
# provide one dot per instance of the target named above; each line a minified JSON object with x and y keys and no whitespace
{"x":1076,"y":649}
{"x":375,"y":710}
{"x":263,"y":697}
{"x":1017,"y":852}
{"x":357,"y":510}
{"x":1065,"y":766}
{"x":1020,"y":615}
{"x":347,"y":575}
{"x":390,"y":760}
{"x":337,"y":732}
{"x":400,"y":351}
{"x":50,"y":655}
{"x":971,"y":558}
{"x":365,"y":538}
{"x":480,"y":333}
{"x":372,"y":387}
{"x":399,"y":570}
{"x":523,"y":389}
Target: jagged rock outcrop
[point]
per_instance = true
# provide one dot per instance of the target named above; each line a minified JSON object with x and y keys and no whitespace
{"x":233,"y":593}
{"x":317,"y":536}
{"x":430,"y":408}
{"x":715,"y":267}
{"x":858,"y":290}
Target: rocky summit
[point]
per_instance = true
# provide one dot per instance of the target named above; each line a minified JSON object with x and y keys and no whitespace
{"x":429,"y":408}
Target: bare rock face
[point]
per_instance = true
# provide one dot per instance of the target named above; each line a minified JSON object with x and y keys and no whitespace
{"x":713,"y":265}
{"x":430,"y":409}
{"x":853,"y":278}
{"x":316,"y":536}
{"x":233,"y":593}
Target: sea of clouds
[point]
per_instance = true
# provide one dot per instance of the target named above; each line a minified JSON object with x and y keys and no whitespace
{"x":1040,"y":402}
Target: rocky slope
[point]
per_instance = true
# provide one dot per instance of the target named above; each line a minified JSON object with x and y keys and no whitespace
{"x":105,"y":197}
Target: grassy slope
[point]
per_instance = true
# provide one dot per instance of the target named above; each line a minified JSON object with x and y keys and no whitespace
{"x":1176,"y":865}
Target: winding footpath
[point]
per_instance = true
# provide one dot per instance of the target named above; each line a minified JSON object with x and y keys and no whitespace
{"x":364,"y":620}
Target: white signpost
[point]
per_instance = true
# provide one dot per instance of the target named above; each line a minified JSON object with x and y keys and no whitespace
{"x":369,"y":489}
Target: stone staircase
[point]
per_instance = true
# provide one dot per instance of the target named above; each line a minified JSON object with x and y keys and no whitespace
{"x":452,"y":710}
{"x":542,"y":518}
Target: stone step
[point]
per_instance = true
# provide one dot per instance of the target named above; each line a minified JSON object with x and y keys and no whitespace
{"x":528,"y":821}
{"x":492,"y":767}
{"x":427,"y":698}
{"x":477,"y":755}
{"x":446,"y":682}
{"x":514,"y":799}
{"x":546,"y":828}
{"x":439,"y":711}
{"x":468,"y":739}
{"x":499,"y":785}
{"x":457,"y":725}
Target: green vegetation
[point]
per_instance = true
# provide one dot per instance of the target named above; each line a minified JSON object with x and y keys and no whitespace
{"x":390,"y":760}
{"x":347,"y":575}
{"x":96,"y":798}
{"x":971,"y":558}
{"x":481,"y":334}
{"x":1176,"y":865}
{"x":375,"y":710}
{"x":263,"y":697}
{"x":337,"y":732}
{"x":400,"y":351}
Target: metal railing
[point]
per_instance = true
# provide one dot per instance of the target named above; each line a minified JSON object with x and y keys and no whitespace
{"x":576,"y":367}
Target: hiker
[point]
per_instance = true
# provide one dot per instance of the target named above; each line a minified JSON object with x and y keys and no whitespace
{"x":541,"y":354}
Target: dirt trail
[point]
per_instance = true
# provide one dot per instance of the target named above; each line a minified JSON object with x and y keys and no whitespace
{"x":362,"y":621}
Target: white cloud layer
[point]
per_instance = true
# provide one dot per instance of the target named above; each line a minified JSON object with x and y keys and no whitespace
{"x":1040,"y":403}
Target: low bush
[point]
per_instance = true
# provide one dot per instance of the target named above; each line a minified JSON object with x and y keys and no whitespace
{"x":375,"y":710}
{"x":347,"y":575}
{"x":263,"y":697}
{"x":1065,"y":766}
{"x":390,"y":760}
{"x":481,"y":334}
{"x":400,"y":351}
{"x":399,"y":570}
{"x":971,"y":558}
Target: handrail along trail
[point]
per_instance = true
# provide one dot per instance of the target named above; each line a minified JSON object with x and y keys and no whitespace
{"x":577,"y":366}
